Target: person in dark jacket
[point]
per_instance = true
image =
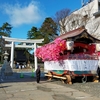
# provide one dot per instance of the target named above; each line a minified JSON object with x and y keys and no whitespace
{"x":38,"y":74}
{"x":98,"y":73}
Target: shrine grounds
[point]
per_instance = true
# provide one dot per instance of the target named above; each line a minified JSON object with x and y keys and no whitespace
{"x":22,"y":86}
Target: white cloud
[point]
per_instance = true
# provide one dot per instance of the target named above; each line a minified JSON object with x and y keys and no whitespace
{"x":26,"y":14}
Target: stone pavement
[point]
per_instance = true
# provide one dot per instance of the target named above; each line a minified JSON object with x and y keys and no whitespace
{"x":26,"y":88}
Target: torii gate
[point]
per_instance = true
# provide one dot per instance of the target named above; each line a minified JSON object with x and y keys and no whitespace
{"x":24,"y":41}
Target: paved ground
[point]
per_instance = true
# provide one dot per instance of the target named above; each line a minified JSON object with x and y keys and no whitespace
{"x":26,"y":88}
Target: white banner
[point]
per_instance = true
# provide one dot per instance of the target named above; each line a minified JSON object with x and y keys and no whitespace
{"x":72,"y":65}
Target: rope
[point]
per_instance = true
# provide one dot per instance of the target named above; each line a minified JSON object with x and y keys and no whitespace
{"x":84,"y":79}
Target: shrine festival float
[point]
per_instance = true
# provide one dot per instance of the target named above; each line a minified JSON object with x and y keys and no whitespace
{"x":71,"y":55}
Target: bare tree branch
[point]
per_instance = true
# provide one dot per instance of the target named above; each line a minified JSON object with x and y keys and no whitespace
{"x":60,"y":18}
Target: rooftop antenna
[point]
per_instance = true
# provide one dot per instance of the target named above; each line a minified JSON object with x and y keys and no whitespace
{"x":90,"y":1}
{"x":82,"y":2}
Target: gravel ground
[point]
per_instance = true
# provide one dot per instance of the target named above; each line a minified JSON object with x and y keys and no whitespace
{"x":92,"y":88}
{"x":89,"y":87}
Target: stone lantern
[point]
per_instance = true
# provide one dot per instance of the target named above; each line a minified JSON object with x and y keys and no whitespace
{"x":5,"y":56}
{"x":6,"y":68}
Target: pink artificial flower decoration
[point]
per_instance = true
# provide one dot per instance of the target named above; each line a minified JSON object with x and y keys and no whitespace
{"x":52,"y":50}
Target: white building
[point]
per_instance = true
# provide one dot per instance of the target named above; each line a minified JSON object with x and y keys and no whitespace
{"x":88,"y":15}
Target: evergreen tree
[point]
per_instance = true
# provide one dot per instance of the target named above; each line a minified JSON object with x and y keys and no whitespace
{"x":5,"y":30}
{"x":48,"y":30}
{"x":34,"y":33}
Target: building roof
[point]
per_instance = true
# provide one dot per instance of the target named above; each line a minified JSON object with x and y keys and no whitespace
{"x":72,"y":33}
{"x":79,"y":33}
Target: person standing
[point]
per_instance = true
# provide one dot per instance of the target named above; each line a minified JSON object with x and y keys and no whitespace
{"x":98,"y":69}
{"x":38,"y":74}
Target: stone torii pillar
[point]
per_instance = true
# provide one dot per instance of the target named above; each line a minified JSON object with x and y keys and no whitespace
{"x":35,"y":58}
{"x":12,"y":55}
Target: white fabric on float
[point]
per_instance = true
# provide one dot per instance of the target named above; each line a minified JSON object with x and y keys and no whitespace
{"x":72,"y":65}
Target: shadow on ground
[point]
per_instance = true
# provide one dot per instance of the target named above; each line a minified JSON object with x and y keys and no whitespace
{"x":20,"y":77}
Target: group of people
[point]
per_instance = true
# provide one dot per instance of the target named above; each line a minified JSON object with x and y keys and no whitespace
{"x":20,"y":65}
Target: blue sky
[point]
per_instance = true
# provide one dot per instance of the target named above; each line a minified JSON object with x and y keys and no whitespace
{"x":23,"y":14}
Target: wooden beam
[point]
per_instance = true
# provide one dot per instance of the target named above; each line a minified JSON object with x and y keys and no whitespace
{"x":64,"y":78}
